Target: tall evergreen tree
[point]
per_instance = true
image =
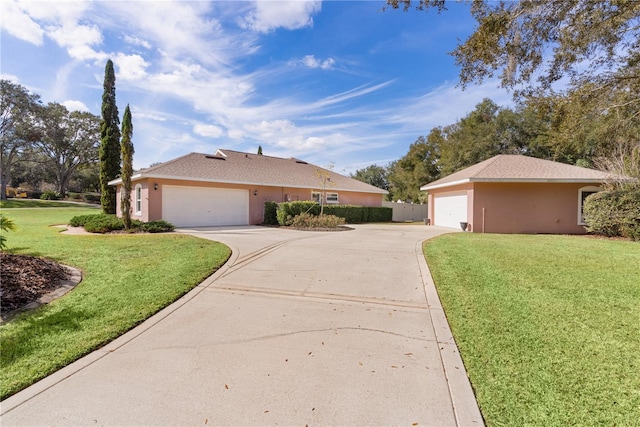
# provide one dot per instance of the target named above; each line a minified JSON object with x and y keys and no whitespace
{"x":259,"y":150}
{"x":126,"y":146}
{"x":109,"y":141}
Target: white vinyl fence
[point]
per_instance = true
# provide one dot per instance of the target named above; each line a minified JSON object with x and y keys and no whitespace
{"x":405,"y":212}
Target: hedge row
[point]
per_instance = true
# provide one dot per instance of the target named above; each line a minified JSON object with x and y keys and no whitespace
{"x":283,"y":213}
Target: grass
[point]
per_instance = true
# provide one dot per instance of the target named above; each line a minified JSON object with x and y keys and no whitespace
{"x":548,"y":326}
{"x":126,"y":279}
{"x":34,"y":203}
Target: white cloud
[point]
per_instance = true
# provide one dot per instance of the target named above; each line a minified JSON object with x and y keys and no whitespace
{"x":291,"y":15}
{"x":137,"y":41}
{"x":310,"y":61}
{"x":210,"y":131}
{"x":73,"y":105}
{"x":130,"y":67}
{"x":235,"y":133}
{"x":78,"y":40}
{"x":18,"y":23}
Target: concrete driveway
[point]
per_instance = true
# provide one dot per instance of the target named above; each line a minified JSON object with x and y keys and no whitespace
{"x":299,"y":328}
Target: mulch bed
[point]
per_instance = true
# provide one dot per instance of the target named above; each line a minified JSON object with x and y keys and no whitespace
{"x":25,"y":279}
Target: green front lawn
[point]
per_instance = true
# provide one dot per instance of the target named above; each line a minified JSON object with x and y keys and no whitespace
{"x":548,"y":326}
{"x":126,"y":279}
{"x":34,"y":203}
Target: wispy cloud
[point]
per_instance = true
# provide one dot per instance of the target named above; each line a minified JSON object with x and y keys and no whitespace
{"x":268,"y":15}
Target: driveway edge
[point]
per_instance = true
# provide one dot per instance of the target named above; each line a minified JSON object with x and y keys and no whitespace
{"x":54,"y":378}
{"x":465,"y":405}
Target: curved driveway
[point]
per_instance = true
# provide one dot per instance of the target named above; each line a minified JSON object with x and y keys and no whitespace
{"x":298,"y":328}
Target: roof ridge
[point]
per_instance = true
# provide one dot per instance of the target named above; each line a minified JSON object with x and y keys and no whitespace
{"x":260,"y":155}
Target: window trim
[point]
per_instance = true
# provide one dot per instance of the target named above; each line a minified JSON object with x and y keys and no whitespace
{"x":588,"y":189}
{"x":137,"y":200}
{"x":336,"y":201}
{"x":317,"y":199}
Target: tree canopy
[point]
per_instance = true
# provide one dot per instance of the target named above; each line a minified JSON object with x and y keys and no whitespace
{"x":547,"y":40}
{"x":68,"y":141}
{"x":18,"y":108}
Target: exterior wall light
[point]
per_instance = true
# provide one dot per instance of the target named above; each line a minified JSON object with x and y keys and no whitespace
{"x":255,"y":192}
{"x":155,"y":186}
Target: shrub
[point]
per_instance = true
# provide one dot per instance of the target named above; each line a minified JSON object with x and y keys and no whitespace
{"x":91,"y":198}
{"x":351,"y":214}
{"x":614,"y":213}
{"x":159,"y":226}
{"x":359,"y":214}
{"x":103,"y":223}
{"x":287,"y":210}
{"x":307,"y":220}
{"x":378,"y":214}
{"x":50,"y":195}
{"x":81,"y":220}
{"x":270,"y":215}
{"x":74,"y":196}
{"x":6,"y":224}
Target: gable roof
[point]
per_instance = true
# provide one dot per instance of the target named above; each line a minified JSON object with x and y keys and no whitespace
{"x":518,"y":168}
{"x":235,"y":167}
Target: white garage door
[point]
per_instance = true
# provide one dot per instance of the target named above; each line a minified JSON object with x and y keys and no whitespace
{"x":199,"y":206}
{"x":450,"y":209}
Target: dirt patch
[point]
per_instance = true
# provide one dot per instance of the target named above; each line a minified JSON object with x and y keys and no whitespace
{"x":25,"y":279}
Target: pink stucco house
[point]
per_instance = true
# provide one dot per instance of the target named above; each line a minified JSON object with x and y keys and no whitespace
{"x":514,"y":194}
{"x":231,"y":187}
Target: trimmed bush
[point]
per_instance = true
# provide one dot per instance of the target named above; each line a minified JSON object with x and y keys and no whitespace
{"x":158,"y":226}
{"x":378,"y":214}
{"x":614,"y":213}
{"x":103,"y":224}
{"x":360,"y":214}
{"x":50,"y":195}
{"x":81,"y":220}
{"x":270,"y":213}
{"x":307,"y":220}
{"x":287,"y":210}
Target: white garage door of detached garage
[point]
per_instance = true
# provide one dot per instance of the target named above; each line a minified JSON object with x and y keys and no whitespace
{"x":201,"y":206}
{"x":450,"y":209}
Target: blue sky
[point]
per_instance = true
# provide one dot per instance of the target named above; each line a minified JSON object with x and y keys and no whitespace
{"x":330,"y":82}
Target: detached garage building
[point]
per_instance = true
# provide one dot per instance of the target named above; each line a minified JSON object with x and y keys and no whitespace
{"x":514,"y":194}
{"x":231,"y":187}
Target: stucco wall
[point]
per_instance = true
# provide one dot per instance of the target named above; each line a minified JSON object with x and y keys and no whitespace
{"x":258,"y":195}
{"x":526,"y":208}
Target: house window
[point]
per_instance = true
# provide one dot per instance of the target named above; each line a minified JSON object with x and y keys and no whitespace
{"x":138,"y":199}
{"x":316,"y":197}
{"x":332,"y":197}
{"x":583,"y":193}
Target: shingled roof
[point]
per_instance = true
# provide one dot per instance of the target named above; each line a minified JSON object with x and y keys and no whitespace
{"x":518,"y":168}
{"x":234,"y":167}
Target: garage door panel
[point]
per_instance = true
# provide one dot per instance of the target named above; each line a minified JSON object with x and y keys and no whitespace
{"x":203,"y":206}
{"x":450,"y":209}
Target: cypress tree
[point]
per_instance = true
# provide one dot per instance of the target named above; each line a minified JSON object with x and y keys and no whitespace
{"x":126,"y":147}
{"x":260,"y":150}
{"x":109,"y":141}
